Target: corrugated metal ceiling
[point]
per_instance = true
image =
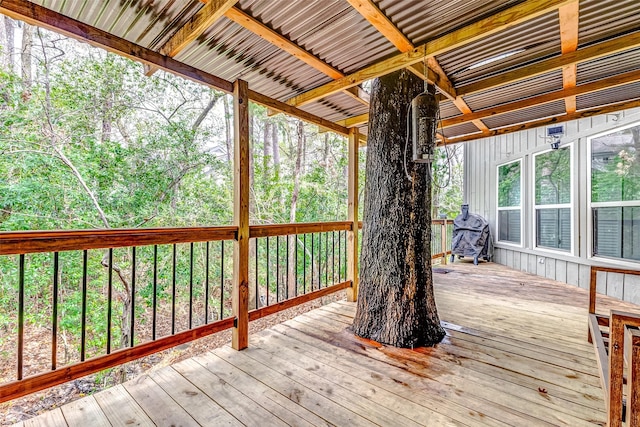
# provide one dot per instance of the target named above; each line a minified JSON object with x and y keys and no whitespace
{"x":608,"y":96}
{"x":421,"y":21}
{"x":515,"y":91}
{"x":336,"y":33}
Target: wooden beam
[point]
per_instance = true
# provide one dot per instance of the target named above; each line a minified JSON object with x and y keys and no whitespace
{"x":359,"y":94}
{"x":599,"y":50}
{"x":198,"y":24}
{"x":611,"y":108}
{"x":470,"y":33}
{"x":280,"y":106}
{"x":34,"y":14}
{"x":278,"y":40}
{"x":462,"y":106}
{"x":252,"y":24}
{"x":352,"y":215}
{"x":382,"y":23}
{"x":355,"y":120}
{"x":568,"y":16}
{"x":609,"y":82}
{"x":240,"y":293}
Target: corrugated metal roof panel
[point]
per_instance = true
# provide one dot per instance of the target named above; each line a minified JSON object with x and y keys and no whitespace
{"x":148,"y":23}
{"x":540,"y":37}
{"x":609,"y":66}
{"x":331,"y":30}
{"x":421,"y":21}
{"x":336,"y":107}
{"x":448,"y":109}
{"x":459,"y":130}
{"x":515,"y":91}
{"x":229,"y":51}
{"x":600,"y":19}
{"x":608,"y":96}
{"x":528,"y":114}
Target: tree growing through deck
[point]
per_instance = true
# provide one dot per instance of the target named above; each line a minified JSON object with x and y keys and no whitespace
{"x":396,"y":304}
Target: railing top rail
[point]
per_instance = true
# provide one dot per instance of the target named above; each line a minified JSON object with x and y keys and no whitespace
{"x":22,"y":242}
{"x":297,"y":228}
{"x":615,"y":270}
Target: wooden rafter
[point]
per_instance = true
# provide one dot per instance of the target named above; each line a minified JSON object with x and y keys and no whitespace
{"x":198,"y":24}
{"x":611,"y":108}
{"x":482,"y":28}
{"x":250,"y":23}
{"x":382,"y":23}
{"x":432,"y":72}
{"x":568,"y":16}
{"x":354,"y":121}
{"x":599,"y":50}
{"x":609,"y":82}
{"x":40,"y":16}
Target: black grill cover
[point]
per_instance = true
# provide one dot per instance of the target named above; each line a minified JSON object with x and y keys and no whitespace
{"x":471,"y":237}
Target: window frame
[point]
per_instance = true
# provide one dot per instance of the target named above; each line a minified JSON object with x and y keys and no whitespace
{"x":591,"y":255}
{"x":510,"y":208}
{"x":569,"y":205}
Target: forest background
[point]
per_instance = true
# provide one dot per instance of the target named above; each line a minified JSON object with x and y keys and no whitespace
{"x":88,"y":141}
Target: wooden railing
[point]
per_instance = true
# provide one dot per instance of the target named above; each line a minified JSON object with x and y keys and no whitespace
{"x":137,"y":292}
{"x":617,"y":348}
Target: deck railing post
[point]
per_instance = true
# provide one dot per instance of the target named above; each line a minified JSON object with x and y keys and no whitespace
{"x":240,"y":293}
{"x":352,"y":216}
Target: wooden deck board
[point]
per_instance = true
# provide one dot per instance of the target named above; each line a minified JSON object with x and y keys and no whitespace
{"x":516,"y":355}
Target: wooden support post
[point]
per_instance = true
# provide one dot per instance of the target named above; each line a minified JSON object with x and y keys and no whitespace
{"x":352,"y":216}
{"x":633,"y":380}
{"x":592,"y":297}
{"x":617,"y":322}
{"x":240,"y":295}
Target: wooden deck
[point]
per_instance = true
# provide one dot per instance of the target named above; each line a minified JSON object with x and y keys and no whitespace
{"x":515,"y":354}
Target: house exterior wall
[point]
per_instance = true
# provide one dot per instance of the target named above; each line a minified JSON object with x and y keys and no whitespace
{"x":481,"y":161}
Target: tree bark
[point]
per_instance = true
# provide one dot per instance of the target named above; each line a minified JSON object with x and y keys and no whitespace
{"x":9,"y":28}
{"x":25,"y":57}
{"x":294,"y":207}
{"x":227,"y":127}
{"x":396,"y":305}
{"x":276,"y":149}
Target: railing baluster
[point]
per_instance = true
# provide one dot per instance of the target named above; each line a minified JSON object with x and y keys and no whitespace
{"x":155,"y":293}
{"x":83,"y":330}
{"x":295,"y":241}
{"x":312,"y":265}
{"x":277,"y":268}
{"x":319,"y":260}
{"x":191,"y":285}
{"x":20,"y":314}
{"x":268,"y":270}
{"x":286,"y":290}
{"x":257,"y":289}
{"x":221,"y":316}
{"x":54,"y":314}
{"x":339,"y":256}
{"x":173,"y":290}
{"x":206,"y":284}
{"x":132,"y":325}
{"x":326,"y":260}
{"x":109,"y":300}
{"x":333,"y":257}
{"x":304,"y":263}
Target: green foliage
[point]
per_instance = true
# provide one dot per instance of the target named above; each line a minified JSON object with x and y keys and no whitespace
{"x":509,"y":184}
{"x":553,"y":177}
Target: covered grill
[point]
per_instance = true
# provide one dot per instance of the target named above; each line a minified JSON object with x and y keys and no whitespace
{"x":471,"y":237}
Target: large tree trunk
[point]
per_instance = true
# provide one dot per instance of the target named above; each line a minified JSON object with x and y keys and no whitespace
{"x":396,"y":305}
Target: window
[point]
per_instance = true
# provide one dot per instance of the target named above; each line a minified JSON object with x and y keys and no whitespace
{"x":615,"y":193}
{"x":509,"y":202}
{"x":553,"y":199}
